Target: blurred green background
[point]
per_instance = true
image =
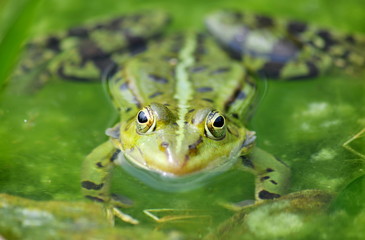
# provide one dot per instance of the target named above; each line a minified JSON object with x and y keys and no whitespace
{"x":45,"y":135}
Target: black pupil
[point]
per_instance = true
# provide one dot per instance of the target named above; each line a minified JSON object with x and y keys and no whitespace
{"x":142,"y":118}
{"x":218,"y":122}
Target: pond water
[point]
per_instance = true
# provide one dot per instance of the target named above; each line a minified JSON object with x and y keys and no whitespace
{"x":46,"y":133}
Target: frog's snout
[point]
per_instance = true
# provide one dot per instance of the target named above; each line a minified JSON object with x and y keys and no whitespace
{"x":172,"y":156}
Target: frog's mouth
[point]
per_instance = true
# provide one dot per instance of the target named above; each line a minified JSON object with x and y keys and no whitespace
{"x":170,"y":182}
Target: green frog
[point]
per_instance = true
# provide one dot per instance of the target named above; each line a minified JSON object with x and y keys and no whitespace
{"x":184,"y":99}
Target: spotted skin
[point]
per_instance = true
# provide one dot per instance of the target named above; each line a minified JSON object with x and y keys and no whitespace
{"x":272,"y":175}
{"x":283,"y":49}
{"x":84,"y":53}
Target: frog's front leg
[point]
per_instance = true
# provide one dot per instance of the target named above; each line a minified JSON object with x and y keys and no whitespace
{"x":96,"y":180}
{"x":272,"y":175}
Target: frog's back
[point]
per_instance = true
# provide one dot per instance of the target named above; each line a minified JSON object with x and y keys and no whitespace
{"x":182,"y":71}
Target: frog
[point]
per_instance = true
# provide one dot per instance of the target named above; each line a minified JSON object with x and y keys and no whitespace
{"x":184,"y":99}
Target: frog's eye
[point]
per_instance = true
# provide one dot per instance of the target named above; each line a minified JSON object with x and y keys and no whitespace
{"x":146,"y":120}
{"x":215,"y":125}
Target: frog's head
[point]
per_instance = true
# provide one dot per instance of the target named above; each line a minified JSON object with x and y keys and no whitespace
{"x":157,"y":140}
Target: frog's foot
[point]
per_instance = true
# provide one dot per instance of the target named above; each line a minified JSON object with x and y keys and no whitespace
{"x":355,"y":142}
{"x":121,"y":215}
{"x":163,"y":215}
{"x":116,"y":202}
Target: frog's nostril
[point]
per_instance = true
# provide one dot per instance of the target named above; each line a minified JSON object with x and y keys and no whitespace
{"x":164,"y":145}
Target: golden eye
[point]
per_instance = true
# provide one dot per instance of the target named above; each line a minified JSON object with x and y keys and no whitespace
{"x":215,"y":125}
{"x":146,"y":120}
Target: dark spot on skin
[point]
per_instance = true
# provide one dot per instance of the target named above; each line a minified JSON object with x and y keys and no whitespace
{"x":99,"y":165}
{"x":241,"y":95}
{"x":128,"y":109}
{"x":91,"y":186}
{"x":296,"y":27}
{"x":194,"y":145}
{"x":272,"y":181}
{"x":157,"y":78}
{"x":208,"y":100}
{"x":193,"y":148}
{"x":90,"y":50}
{"x":350,"y":39}
{"x":264,"y":178}
{"x":155,"y":94}
{"x":175,"y":124}
{"x":268,"y":195}
{"x":115,"y":155}
{"x":327,"y":38}
{"x":78,"y":32}
{"x":313,"y":70}
{"x":166,"y":104}
{"x":197,"y":69}
{"x":263,"y":21}
{"x":235,"y":115}
{"x":53,"y":43}
{"x":271,"y":69}
{"x":200,"y":50}
{"x":269,"y":170}
{"x":185,"y":122}
{"x":247,"y":162}
{"x":96,"y":199}
{"x":132,"y":38}
{"x":204,"y":89}
{"x":137,"y":48}
{"x":201,"y":38}
{"x":238,"y":16}
{"x":191,"y":110}
{"x":124,"y":86}
{"x":105,"y":64}
{"x":220,"y":70}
